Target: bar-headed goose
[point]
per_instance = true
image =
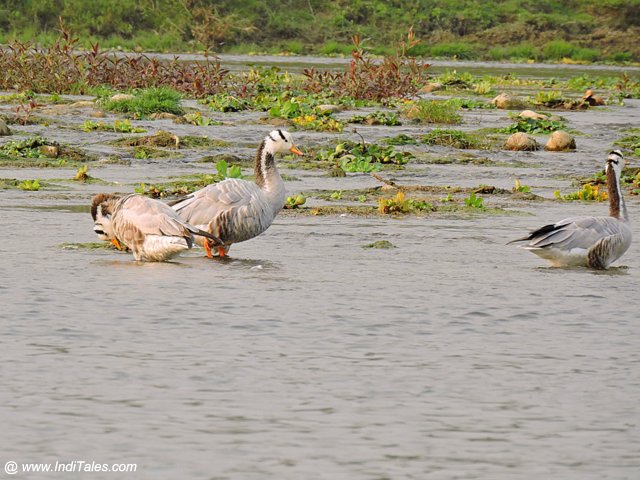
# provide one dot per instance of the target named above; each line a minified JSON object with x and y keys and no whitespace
{"x":594,"y":242}
{"x":151,"y":229}
{"x":236,"y":210}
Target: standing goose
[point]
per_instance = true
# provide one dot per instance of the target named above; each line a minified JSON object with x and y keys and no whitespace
{"x":236,"y":210}
{"x":151,"y":229}
{"x":594,"y":242}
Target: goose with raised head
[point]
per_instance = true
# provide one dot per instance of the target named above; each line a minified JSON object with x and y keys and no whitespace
{"x":236,"y":210}
{"x":152,"y":230}
{"x":594,"y":242}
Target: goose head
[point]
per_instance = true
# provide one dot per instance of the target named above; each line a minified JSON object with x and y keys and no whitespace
{"x":101,"y":210}
{"x":280,"y":141}
{"x":615,"y":161}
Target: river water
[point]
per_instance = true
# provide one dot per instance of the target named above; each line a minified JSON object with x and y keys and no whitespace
{"x":307,"y":356}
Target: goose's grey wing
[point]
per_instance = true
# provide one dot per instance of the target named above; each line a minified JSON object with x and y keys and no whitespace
{"x":231,"y":197}
{"x":574,"y":233}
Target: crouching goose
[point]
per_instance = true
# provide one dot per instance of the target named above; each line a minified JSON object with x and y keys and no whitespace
{"x":236,"y":210}
{"x":594,"y":242}
{"x":152,"y":230}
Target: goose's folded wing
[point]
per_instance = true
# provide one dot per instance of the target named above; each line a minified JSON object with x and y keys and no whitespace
{"x":576,"y":232}
{"x":210,"y":202}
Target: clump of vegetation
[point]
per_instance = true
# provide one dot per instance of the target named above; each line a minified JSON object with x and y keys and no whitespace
{"x":322,"y":123}
{"x":362,"y":157}
{"x":377,"y":118}
{"x":61,"y":68}
{"x":455,"y":139}
{"x":402,"y":139}
{"x":534,"y":126}
{"x":395,"y":76}
{"x":190,"y":183}
{"x":225,"y":170}
{"x":474,"y":201}
{"x":295,"y":201}
{"x":519,"y":188}
{"x":224,"y":102}
{"x":380,"y":244}
{"x":588,"y":192}
{"x":119,"y":126}
{"x":198,"y":120}
{"x":631,"y":141}
{"x":400,"y":204}
{"x":82,"y":175}
{"x":27,"y":148}
{"x":29,"y":185}
{"x":145,"y":102}
{"x":432,"y":111}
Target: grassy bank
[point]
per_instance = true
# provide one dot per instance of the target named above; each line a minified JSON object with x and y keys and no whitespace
{"x":578,"y":31}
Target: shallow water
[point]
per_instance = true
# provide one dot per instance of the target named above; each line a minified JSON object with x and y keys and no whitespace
{"x":306,"y":356}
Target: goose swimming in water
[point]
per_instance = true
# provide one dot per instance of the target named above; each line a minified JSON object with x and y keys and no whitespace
{"x":152,"y":230}
{"x":594,"y":242}
{"x":236,"y":210}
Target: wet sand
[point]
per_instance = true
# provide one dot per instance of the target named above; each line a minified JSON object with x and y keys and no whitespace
{"x":307,"y":356}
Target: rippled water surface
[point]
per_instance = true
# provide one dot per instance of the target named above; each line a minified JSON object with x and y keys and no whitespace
{"x":307,"y":356}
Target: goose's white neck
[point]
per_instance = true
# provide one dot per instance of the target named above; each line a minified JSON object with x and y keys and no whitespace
{"x":268,"y":177}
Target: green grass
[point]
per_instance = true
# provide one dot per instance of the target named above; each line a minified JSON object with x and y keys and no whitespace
{"x":433,"y":111}
{"x":145,"y":102}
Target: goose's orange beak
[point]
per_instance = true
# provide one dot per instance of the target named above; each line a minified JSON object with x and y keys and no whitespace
{"x":295,"y":150}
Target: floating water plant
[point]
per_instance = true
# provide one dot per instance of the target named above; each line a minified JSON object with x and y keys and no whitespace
{"x":295,"y":201}
{"x":400,"y":204}
{"x":534,"y":126}
{"x":402,"y":139}
{"x":82,"y":175}
{"x":455,"y":138}
{"x":321,"y":123}
{"x":474,"y":201}
{"x":361,"y":157}
{"x":29,"y":185}
{"x":519,"y":188}
{"x":227,"y":171}
{"x":588,"y":192}
{"x":223,"y":102}
{"x":119,"y":126}
{"x":197,"y":119}
{"x":377,"y":118}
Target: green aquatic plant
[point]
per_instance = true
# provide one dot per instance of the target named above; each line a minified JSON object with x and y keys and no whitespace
{"x":402,"y":139}
{"x":198,"y":120}
{"x":534,"y":126}
{"x":519,"y":188}
{"x":224,"y":102}
{"x":400,"y":204}
{"x":631,"y":141}
{"x":361,"y":157}
{"x":447,"y":137}
{"x":29,"y":185}
{"x":119,"y":126}
{"x":295,"y":201}
{"x":377,"y":118}
{"x":474,"y":201}
{"x":588,"y":192}
{"x":82,"y":175}
{"x":224,"y":170}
